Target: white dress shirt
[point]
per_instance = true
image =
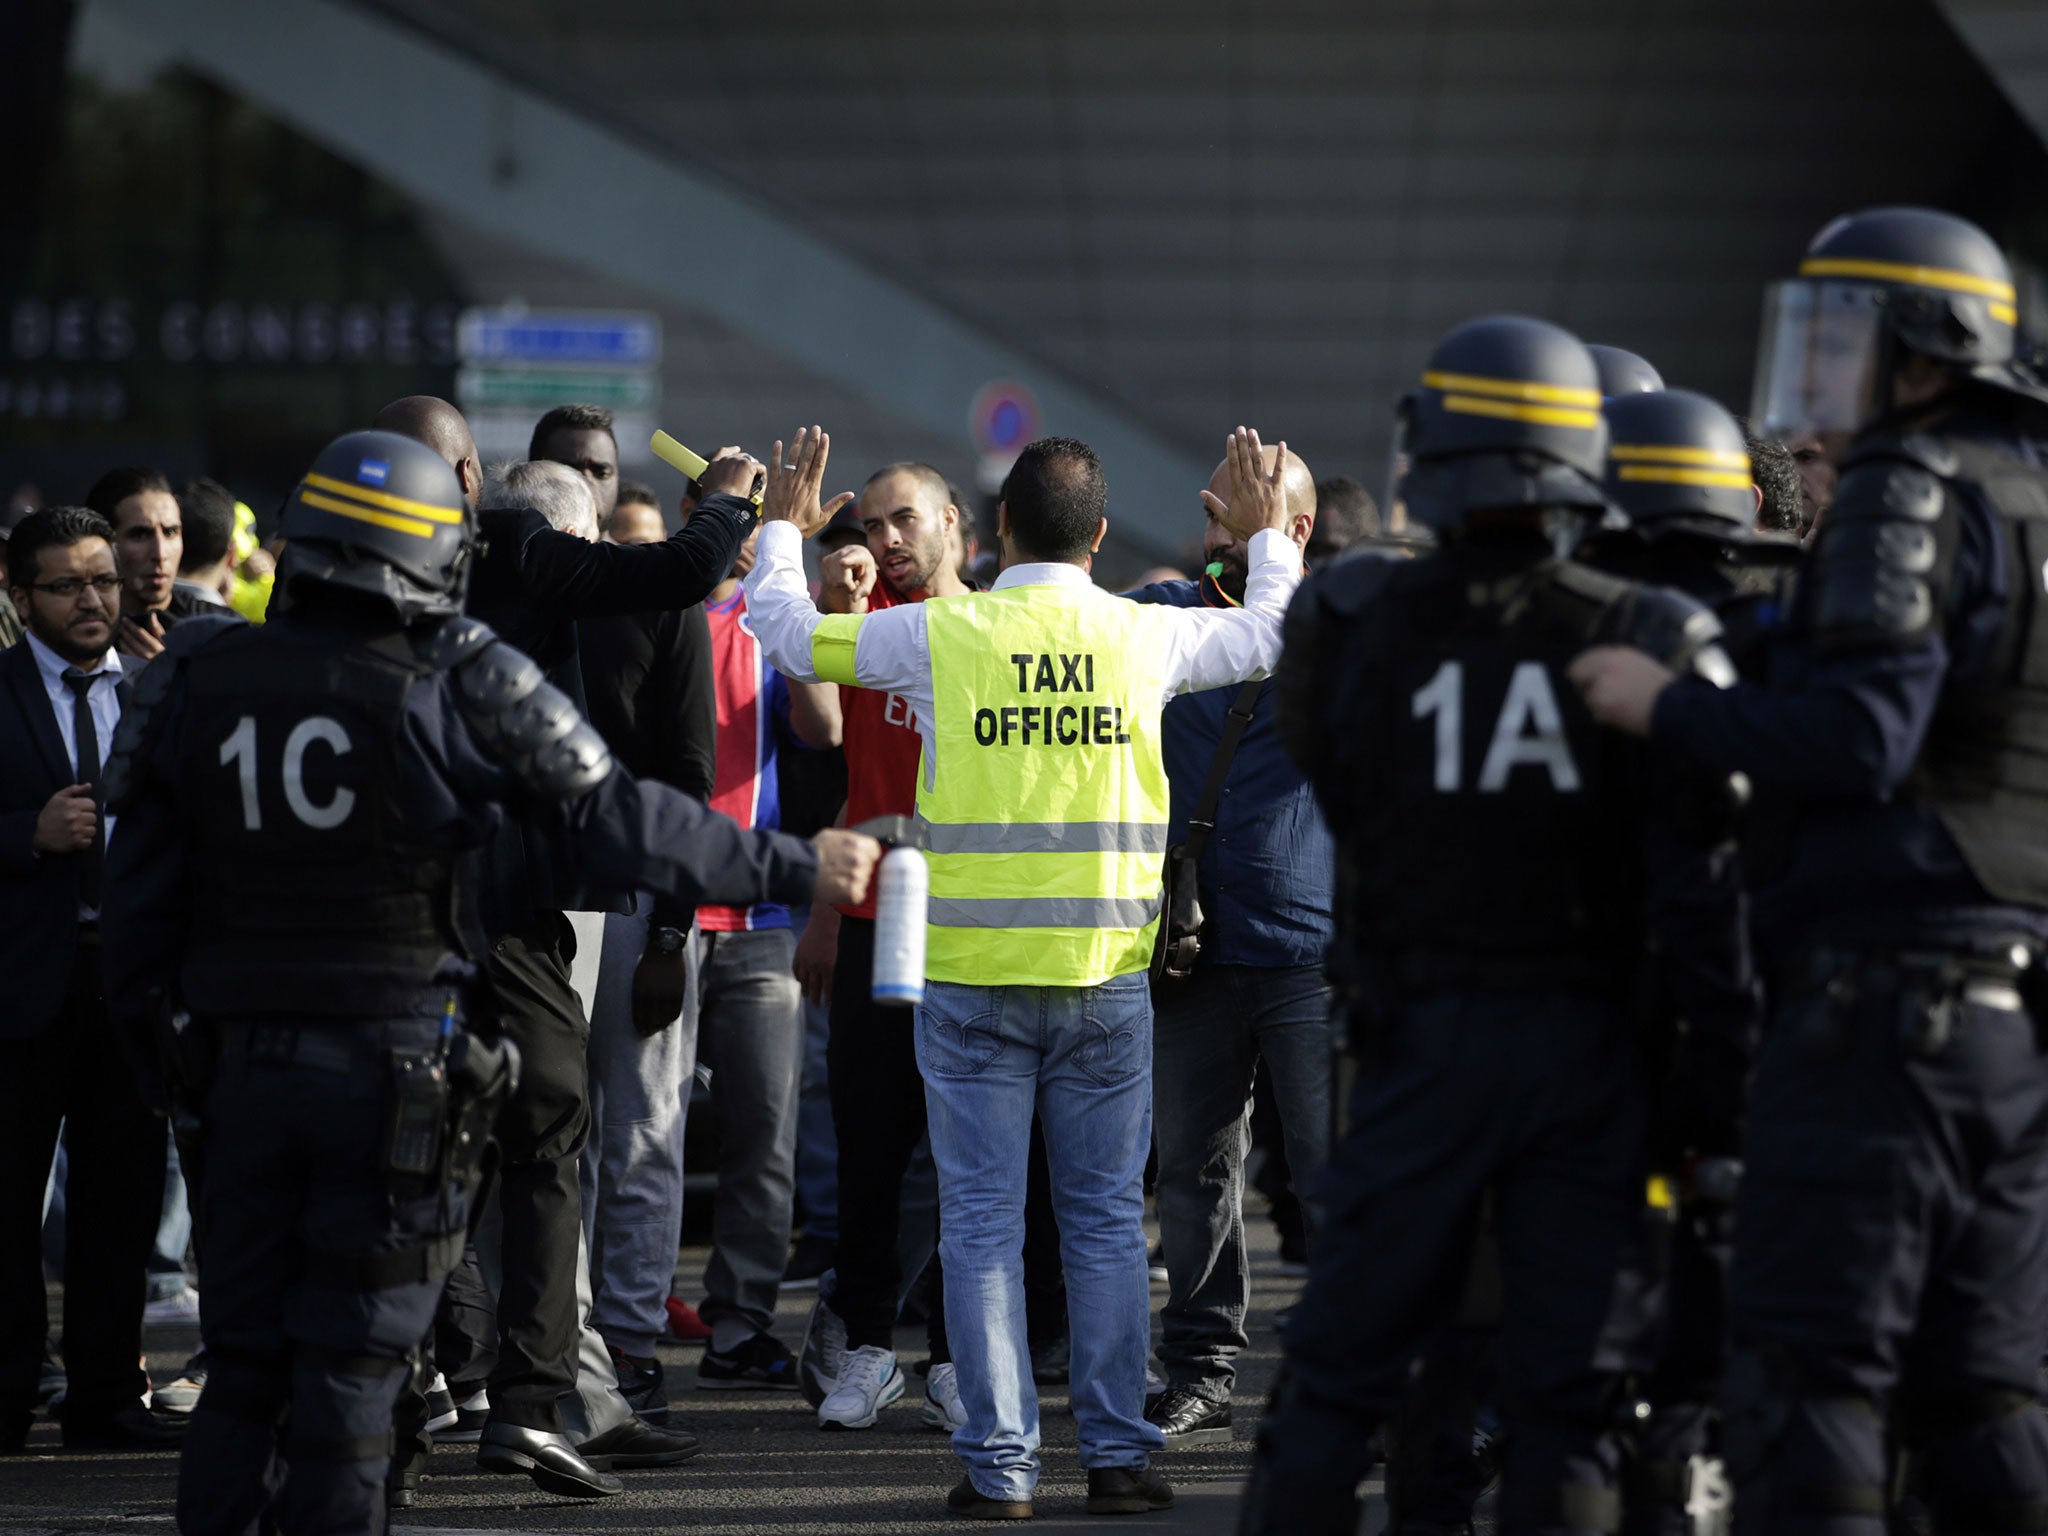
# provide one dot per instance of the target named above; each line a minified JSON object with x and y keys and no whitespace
{"x":104,"y":698}
{"x":1205,"y":647}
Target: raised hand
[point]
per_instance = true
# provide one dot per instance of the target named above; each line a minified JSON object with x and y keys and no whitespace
{"x":1258,"y":497}
{"x":731,"y":473}
{"x":794,"y":482}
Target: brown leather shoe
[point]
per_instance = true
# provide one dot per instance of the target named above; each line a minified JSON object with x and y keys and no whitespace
{"x":970,"y":1502}
{"x":1127,"y":1491}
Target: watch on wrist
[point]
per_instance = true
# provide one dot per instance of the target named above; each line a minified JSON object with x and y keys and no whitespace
{"x":669,"y":941}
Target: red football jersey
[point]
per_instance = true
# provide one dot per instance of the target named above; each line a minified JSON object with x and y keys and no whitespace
{"x":883,"y":750}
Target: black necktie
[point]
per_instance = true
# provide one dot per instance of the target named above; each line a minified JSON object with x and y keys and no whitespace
{"x":88,"y":738}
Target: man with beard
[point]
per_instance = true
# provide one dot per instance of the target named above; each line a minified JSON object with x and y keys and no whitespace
{"x":58,"y":1063}
{"x":1255,"y":998}
{"x":878,"y":1107}
{"x":149,"y":546}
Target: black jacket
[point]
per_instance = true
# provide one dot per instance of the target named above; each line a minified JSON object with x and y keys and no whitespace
{"x":648,"y":690}
{"x":531,"y":584}
{"x":38,"y":896}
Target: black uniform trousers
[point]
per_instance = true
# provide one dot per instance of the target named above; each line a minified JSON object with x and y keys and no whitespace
{"x":73,"y":1073}
{"x":540,"y":1133}
{"x":320,"y":1275}
{"x":1890,"y":1279}
{"x":1530,"y":1097}
{"x":878,"y":1118}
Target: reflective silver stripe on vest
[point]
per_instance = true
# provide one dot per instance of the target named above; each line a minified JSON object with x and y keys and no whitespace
{"x":1044,"y":911}
{"x":1046,"y":837}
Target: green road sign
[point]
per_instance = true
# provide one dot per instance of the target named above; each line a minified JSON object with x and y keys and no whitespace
{"x":540,"y":388}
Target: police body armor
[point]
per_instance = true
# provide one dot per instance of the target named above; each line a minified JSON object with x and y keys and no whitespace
{"x":1750,"y":587}
{"x":1481,"y":814}
{"x":1881,"y":577}
{"x":310,"y":894}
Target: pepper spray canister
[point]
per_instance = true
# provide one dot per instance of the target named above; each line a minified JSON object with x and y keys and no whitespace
{"x":902,"y":894}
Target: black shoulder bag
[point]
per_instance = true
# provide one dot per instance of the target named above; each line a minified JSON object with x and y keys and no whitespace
{"x":1180,"y":922}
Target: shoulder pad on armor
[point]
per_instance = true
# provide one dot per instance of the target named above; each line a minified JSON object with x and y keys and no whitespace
{"x":1873,"y":569}
{"x":143,"y":709}
{"x":1928,"y":453}
{"x":1350,"y":582}
{"x":189,"y":636}
{"x":448,"y":644}
{"x":529,"y":724}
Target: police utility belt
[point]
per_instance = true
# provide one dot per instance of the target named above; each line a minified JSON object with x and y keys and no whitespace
{"x":443,"y":1091}
{"x":1932,"y":988}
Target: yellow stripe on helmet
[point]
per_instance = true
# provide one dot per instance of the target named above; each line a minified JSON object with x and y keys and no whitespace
{"x":1660,"y":474}
{"x":1511,"y":389}
{"x":1677,"y":453}
{"x":1945,"y":278}
{"x":413,"y":526}
{"x":384,"y":499}
{"x":1540,"y":415}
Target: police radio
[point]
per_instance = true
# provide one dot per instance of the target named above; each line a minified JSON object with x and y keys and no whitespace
{"x":902,"y":901}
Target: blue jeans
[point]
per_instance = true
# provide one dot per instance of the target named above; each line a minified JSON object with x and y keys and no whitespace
{"x":1080,"y":1057}
{"x":1212,"y":1032}
{"x":166,"y":1266}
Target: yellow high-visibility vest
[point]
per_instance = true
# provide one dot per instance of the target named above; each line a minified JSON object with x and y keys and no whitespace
{"x":1047,"y":803}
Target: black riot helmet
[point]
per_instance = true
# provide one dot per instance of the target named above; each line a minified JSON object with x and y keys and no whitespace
{"x":1872,"y":283}
{"x":1623,"y":372}
{"x":383,"y":515}
{"x":1508,"y":415}
{"x":1677,"y":461}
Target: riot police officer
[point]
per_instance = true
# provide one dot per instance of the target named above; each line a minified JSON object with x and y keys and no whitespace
{"x":1492,"y":842}
{"x":1889,"y":1285}
{"x":1678,"y":468}
{"x":287,"y":886}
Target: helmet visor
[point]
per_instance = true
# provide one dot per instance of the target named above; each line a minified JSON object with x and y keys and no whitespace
{"x":1817,"y":359}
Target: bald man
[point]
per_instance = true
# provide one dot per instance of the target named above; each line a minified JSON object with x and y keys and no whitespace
{"x":1256,"y":993}
{"x":531,"y":584}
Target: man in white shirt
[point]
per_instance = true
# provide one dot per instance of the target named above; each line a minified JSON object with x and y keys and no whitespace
{"x":1038,"y":702}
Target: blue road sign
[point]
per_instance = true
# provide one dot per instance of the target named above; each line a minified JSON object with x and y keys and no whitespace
{"x":563,"y":337}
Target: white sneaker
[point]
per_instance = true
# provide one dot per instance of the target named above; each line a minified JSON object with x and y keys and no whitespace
{"x":179,"y":1310}
{"x":942,"y":1406}
{"x":823,"y":1355}
{"x":869,"y":1382}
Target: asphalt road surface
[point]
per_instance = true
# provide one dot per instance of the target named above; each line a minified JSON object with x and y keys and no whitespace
{"x":766,"y":1468}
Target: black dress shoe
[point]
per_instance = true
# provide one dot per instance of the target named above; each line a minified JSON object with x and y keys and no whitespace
{"x":546,"y":1457}
{"x":1188,"y":1419}
{"x":1126,"y":1491}
{"x":126,"y":1429}
{"x":633,"y":1444}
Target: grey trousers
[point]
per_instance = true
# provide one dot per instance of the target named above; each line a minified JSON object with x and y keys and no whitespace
{"x":633,"y":1162}
{"x":750,"y":1033}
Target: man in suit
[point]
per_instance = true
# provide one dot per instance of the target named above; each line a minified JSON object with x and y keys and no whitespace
{"x":59,"y":704}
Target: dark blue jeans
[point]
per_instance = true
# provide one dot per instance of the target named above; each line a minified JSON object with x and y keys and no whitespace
{"x":1209,"y":1035}
{"x":1527,"y":1098}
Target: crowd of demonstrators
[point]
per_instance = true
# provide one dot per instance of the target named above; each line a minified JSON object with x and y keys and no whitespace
{"x":1646,"y":799}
